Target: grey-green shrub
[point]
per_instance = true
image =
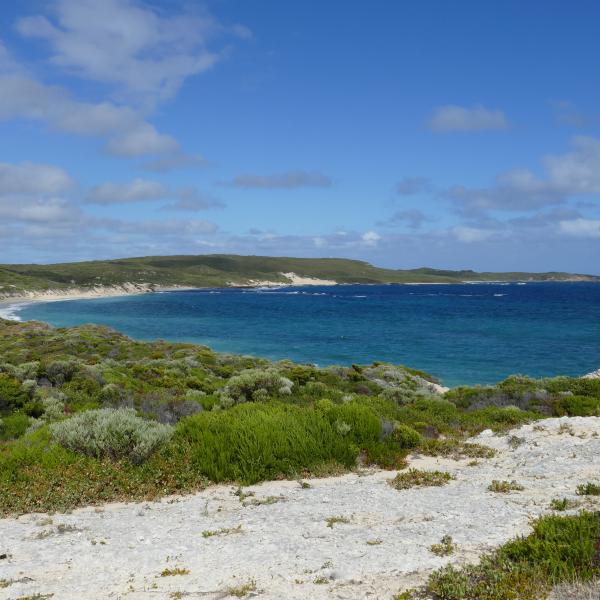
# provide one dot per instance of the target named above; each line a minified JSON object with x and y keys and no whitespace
{"x":60,"y":371}
{"x":54,"y":407}
{"x":113,"y":433}
{"x":254,"y":385}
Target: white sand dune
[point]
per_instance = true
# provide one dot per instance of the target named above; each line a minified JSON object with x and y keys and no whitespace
{"x":286,"y":547}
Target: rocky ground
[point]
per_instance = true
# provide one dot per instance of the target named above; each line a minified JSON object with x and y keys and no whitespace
{"x":346,"y":537}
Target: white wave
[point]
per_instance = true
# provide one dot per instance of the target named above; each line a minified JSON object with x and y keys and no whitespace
{"x":10,"y":311}
{"x":500,"y":295}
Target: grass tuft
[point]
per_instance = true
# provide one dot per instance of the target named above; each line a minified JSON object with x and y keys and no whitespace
{"x":417,"y":478}
{"x":588,"y":489}
{"x":505,"y":487}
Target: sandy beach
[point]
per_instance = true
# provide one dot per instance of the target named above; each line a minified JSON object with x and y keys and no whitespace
{"x":10,"y":305}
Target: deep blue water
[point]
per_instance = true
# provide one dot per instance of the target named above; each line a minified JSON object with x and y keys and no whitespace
{"x":470,"y":333}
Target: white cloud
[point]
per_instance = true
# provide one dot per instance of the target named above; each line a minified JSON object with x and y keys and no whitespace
{"x":288,"y":180}
{"x":142,"y":190}
{"x":582,"y":228}
{"x":41,"y":210}
{"x":127,"y":132}
{"x":176,"y":161}
{"x":370,"y":238}
{"x":577,"y":172}
{"x":122,"y":193}
{"x":191,"y":200}
{"x":145,"y":54}
{"x":469,"y":235}
{"x":31,"y":178}
{"x":171,"y":228}
{"x":412,"y":218}
{"x":570,"y":174}
{"x":459,"y":118}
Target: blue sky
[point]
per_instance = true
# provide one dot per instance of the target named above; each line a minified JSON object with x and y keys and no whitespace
{"x":449,"y":134}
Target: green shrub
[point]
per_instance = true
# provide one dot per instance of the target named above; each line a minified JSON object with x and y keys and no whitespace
{"x":12,"y":395}
{"x":561,"y":504}
{"x":357,"y":422}
{"x":253,"y":442}
{"x":111,"y":433}
{"x":13,"y":426}
{"x":406,"y":436}
{"x":558,"y":549}
{"x":578,"y":406}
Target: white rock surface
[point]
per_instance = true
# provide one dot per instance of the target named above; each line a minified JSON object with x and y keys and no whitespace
{"x":119,"y":551}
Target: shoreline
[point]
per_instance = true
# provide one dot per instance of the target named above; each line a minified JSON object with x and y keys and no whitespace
{"x":9,"y":305}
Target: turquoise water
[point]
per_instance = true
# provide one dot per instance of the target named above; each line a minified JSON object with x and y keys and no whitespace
{"x":469,"y":333}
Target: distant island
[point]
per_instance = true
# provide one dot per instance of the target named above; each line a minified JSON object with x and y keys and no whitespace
{"x":151,"y":273}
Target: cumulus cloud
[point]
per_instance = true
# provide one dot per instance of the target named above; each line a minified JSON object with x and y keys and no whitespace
{"x":128,"y":134}
{"x":31,"y":178}
{"x":469,"y":235}
{"x":38,"y":210}
{"x":142,"y":190}
{"x":517,"y":190}
{"x":459,"y":118}
{"x":174,"y":162}
{"x":191,"y":200}
{"x":413,"y":185}
{"x":141,"y":53}
{"x":137,"y":190}
{"x":288,"y":180}
{"x":144,"y":53}
{"x":577,"y":172}
{"x":370,"y":238}
{"x":412,"y":218}
{"x":581,"y":228}
{"x":571,"y":174}
{"x":171,"y":228}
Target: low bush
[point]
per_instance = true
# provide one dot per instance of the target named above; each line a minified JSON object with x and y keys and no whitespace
{"x":61,"y":371}
{"x":12,"y":395}
{"x":561,"y":504}
{"x":455,"y":449}
{"x":578,"y":406}
{"x":252,"y":442}
{"x":417,"y":478}
{"x":406,"y":437}
{"x":505,"y":487}
{"x":111,"y":433}
{"x":559,"y":549}
{"x":444,"y":548}
{"x":588,"y":489}
{"x":255,"y":385}
{"x":13,"y":426}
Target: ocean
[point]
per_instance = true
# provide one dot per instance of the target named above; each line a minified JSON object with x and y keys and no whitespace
{"x":462,"y":334}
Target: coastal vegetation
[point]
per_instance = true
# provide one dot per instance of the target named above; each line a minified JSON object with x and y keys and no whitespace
{"x":88,"y":415}
{"x":216,"y":270}
{"x":559,"y":549}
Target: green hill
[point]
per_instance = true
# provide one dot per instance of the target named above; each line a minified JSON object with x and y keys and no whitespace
{"x":224,"y":269}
